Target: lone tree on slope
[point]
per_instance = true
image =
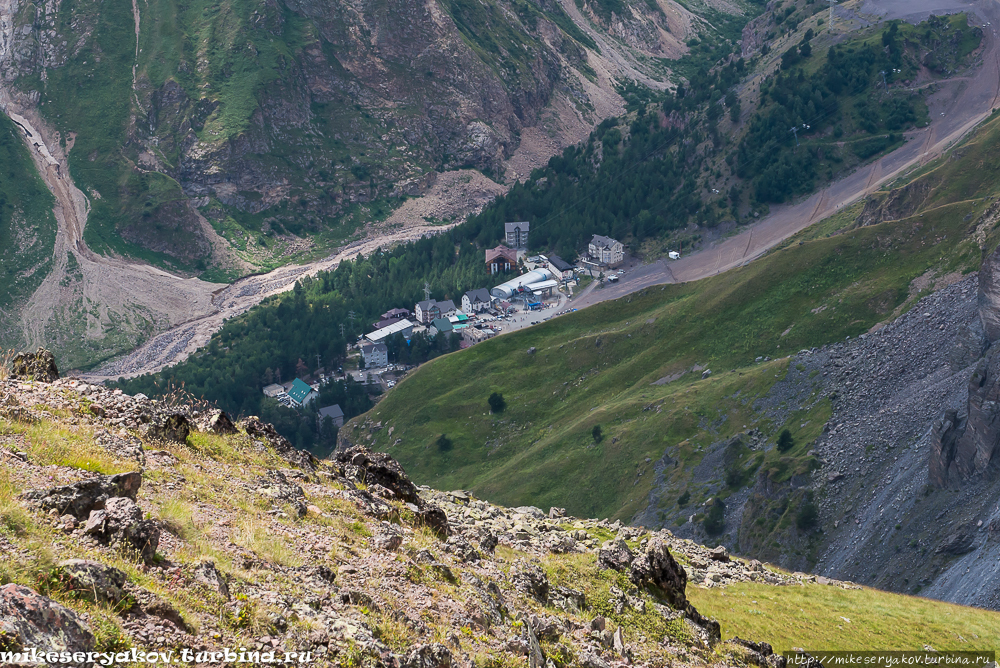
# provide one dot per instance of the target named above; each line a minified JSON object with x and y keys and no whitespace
{"x":497,"y":403}
{"x":785,"y":441}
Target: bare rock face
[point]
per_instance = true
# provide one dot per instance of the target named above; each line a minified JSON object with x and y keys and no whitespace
{"x":965,"y":443}
{"x":30,"y":620}
{"x":39,"y":365}
{"x":80,"y":498}
{"x":989,"y":295}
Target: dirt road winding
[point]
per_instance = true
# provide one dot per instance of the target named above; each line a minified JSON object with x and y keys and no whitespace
{"x":956,"y":108}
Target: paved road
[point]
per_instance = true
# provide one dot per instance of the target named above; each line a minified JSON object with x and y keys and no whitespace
{"x":958,"y":106}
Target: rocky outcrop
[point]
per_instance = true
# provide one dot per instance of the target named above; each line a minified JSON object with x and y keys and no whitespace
{"x":965,"y":443}
{"x":120,"y":525}
{"x":29,"y":620}
{"x":282,"y":492}
{"x":80,"y":498}
{"x":264,"y":431}
{"x":989,"y":296}
{"x":39,"y":365}
{"x":384,"y":478}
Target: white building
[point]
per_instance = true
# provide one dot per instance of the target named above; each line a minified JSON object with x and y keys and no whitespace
{"x":606,"y":251}
{"x":376,"y":355}
{"x":674,"y":255}
{"x":517,"y":234}
{"x":273,"y":390}
{"x":476,"y":301}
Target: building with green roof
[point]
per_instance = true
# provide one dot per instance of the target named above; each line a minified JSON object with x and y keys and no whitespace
{"x":301,"y":393}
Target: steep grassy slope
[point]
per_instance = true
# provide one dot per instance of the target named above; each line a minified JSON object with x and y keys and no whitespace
{"x":27,"y":229}
{"x":599,"y":366}
{"x":840,"y":620}
{"x":358,"y":578}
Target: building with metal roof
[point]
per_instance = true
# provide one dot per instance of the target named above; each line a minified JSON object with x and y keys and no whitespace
{"x":301,"y":393}
{"x":404,"y":327}
{"x":334,"y":413}
{"x":521,"y":283}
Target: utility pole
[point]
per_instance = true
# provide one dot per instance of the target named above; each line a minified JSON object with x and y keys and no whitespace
{"x":342,"y":331}
{"x":318,"y":363}
{"x":885,"y":85}
{"x":427,"y":291}
{"x":795,"y":131}
{"x":831,"y":14}
{"x":351,"y":315}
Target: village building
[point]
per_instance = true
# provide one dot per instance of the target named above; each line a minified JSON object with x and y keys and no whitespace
{"x":334,"y":413}
{"x":477,"y":334}
{"x":442,"y":325}
{"x":389,"y":317}
{"x":404,"y":327}
{"x":375,"y":355}
{"x":606,"y":251}
{"x":517,"y":234}
{"x":273,"y":390}
{"x":476,"y":301}
{"x":560,"y":268}
{"x":500,"y":259}
{"x":429,"y":310}
{"x":301,"y":393}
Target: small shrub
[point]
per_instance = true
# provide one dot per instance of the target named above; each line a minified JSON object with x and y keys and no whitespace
{"x":597,"y":433}
{"x":683,"y":499}
{"x":715,"y":521}
{"x":735,"y":477}
{"x":109,"y":636}
{"x":807,"y":516}
{"x":444,"y":443}
{"x":785,"y":441}
{"x":497,"y":403}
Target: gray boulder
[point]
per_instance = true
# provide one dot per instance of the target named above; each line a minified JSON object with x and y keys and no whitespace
{"x":80,"y":498}
{"x":30,"y":620}
{"x":120,"y":524}
{"x":172,"y":427}
{"x":614,"y":554}
{"x":93,"y":581}
{"x":530,"y":579}
{"x":433,"y":655}
{"x":207,"y":574}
